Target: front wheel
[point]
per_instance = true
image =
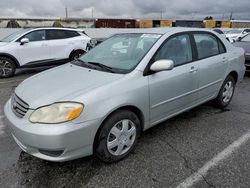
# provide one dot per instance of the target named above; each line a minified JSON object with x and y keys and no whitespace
{"x":118,"y":136}
{"x":226,"y":93}
{"x":7,"y":67}
{"x":76,"y":55}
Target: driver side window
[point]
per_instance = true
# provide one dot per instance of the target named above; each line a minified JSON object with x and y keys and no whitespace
{"x":178,"y":49}
{"x":35,"y":36}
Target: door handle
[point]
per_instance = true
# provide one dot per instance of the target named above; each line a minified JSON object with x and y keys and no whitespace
{"x":224,"y":60}
{"x":45,"y":45}
{"x":193,"y":69}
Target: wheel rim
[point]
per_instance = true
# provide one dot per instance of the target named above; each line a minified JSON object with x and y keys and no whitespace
{"x":227,"y":92}
{"x":5,"y":68}
{"x":121,"y":137}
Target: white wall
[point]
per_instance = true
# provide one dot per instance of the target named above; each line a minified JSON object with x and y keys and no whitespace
{"x":6,"y":31}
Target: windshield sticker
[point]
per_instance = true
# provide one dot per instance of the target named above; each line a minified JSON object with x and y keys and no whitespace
{"x":154,"y":36}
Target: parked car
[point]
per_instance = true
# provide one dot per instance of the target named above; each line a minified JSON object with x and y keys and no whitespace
{"x":245,"y":44}
{"x":40,"y":46}
{"x":234,"y":34}
{"x":100,"y":103}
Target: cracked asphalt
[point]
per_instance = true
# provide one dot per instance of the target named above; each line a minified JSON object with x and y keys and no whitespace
{"x":165,"y":155}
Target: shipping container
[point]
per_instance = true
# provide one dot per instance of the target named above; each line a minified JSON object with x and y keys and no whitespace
{"x":209,"y":23}
{"x":188,"y":23}
{"x":144,"y":23}
{"x":156,"y":23}
{"x":166,"y":23}
{"x":225,"y":24}
{"x":115,"y":23}
{"x":240,"y":24}
{"x":217,"y":24}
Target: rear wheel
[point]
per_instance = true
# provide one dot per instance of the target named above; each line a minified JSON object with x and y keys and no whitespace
{"x":226,"y":93}
{"x":7,"y":67}
{"x":118,"y":136}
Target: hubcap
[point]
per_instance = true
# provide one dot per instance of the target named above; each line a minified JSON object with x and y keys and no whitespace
{"x":121,"y":137}
{"x":227,"y":92}
{"x":5,"y":68}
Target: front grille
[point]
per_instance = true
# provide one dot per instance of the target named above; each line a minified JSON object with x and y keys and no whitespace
{"x":19,"y":107}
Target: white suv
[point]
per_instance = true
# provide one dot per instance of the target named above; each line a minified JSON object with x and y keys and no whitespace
{"x":41,"y":46}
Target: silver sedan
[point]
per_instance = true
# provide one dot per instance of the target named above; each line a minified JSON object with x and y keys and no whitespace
{"x":100,"y":103}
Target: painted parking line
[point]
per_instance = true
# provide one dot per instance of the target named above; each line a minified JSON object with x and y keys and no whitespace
{"x":202,"y":172}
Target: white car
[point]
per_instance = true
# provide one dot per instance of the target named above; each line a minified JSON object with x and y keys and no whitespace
{"x":41,"y":46}
{"x":234,"y":34}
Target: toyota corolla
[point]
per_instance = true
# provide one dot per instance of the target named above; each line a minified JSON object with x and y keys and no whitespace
{"x":100,"y":103}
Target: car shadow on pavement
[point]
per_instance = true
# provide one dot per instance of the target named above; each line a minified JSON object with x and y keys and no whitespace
{"x":34,"y":172}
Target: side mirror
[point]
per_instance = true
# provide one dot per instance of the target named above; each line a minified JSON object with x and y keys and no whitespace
{"x":162,"y":65}
{"x":24,"y":41}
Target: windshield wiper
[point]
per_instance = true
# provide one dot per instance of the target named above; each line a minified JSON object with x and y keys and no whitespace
{"x":83,"y":63}
{"x":105,"y":67}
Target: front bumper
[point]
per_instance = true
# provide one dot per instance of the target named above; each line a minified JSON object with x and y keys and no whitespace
{"x":55,"y":142}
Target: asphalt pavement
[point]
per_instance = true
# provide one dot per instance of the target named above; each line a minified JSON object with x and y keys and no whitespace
{"x":204,"y":147}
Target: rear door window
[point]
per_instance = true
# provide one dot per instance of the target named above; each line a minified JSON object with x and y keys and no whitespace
{"x":207,"y":45}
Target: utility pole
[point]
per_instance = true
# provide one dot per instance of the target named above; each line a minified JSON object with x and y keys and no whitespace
{"x":92,"y":12}
{"x":66,"y":12}
{"x":231,"y":16}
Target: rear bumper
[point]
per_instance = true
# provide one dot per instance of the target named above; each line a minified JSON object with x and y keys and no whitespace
{"x":59,"y":142}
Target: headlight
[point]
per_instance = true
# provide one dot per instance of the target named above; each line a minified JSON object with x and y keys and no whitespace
{"x":57,"y":113}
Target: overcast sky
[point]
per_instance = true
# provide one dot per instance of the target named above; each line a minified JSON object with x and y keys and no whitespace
{"x":176,"y":9}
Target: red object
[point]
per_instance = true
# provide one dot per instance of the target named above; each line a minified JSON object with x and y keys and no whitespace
{"x":115,"y":23}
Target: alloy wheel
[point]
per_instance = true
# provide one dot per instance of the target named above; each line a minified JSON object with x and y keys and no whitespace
{"x":5,"y":68}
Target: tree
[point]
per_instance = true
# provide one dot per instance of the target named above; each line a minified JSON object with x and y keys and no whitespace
{"x":208,"y":18}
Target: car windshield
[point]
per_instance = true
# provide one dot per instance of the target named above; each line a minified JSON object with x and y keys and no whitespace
{"x":15,"y":35}
{"x":121,"y":53}
{"x":246,"y":38}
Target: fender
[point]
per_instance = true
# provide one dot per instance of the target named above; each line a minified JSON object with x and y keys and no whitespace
{"x":12,"y":57}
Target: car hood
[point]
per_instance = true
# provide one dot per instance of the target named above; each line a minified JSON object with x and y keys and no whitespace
{"x":3,"y":43}
{"x":61,"y":83}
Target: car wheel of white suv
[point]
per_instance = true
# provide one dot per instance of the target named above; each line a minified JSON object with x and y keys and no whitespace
{"x":75,"y":55}
{"x":7,"y":67}
{"x":118,"y":136}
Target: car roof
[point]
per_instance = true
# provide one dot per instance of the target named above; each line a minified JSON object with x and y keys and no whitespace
{"x":56,"y":28}
{"x":163,"y":31}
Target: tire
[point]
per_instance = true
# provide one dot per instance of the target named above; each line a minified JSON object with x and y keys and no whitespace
{"x":75,"y":55}
{"x":226,"y":93}
{"x":116,"y":140}
{"x":7,"y":67}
